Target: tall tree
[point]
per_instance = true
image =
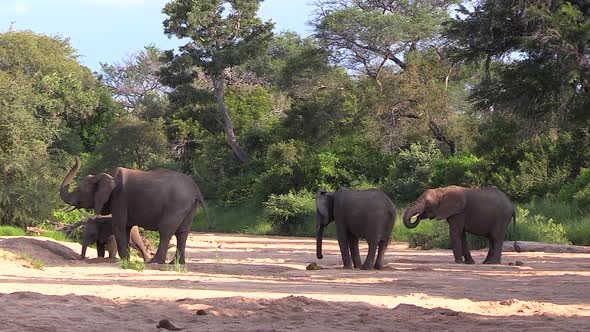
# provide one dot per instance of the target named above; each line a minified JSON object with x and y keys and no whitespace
{"x":134,"y":81}
{"x":369,"y":35}
{"x":222,"y":34}
{"x":541,"y":54}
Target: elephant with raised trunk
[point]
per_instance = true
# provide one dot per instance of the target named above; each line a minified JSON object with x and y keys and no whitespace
{"x":480,"y":211}
{"x":368,"y":214}
{"x":99,"y":230}
{"x":160,"y":200}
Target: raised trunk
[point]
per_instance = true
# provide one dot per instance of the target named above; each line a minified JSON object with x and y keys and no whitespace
{"x":64,"y":191}
{"x":228,"y":127}
{"x":413,"y":210}
{"x":319,"y":237}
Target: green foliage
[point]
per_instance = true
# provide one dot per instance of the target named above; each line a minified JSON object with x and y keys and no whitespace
{"x":12,"y":231}
{"x":537,"y":228}
{"x":464,"y":170}
{"x":176,"y":266}
{"x":435,"y":234}
{"x":245,"y":218}
{"x":578,"y":192}
{"x":126,"y":264}
{"x":71,"y":217}
{"x":35,"y":262}
{"x":288,"y":212}
{"x":132,"y":143}
{"x":59,"y":236}
{"x":412,"y":171}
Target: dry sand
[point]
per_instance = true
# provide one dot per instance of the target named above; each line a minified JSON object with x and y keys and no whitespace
{"x":255,"y":283}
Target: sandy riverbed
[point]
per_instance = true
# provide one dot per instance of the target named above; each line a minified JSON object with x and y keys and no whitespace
{"x":256,"y":283}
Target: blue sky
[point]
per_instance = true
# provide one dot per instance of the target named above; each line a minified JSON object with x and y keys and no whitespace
{"x":108,"y":30}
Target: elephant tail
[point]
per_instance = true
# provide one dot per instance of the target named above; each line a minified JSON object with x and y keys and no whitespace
{"x":516,"y":246}
{"x":202,"y":201}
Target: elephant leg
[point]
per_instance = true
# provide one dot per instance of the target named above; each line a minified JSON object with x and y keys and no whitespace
{"x":100,"y":248}
{"x":456,"y":234}
{"x":466,"y":252}
{"x":490,"y":250}
{"x":344,"y":249}
{"x":160,"y":257}
{"x":136,"y":239}
{"x":83,"y":253}
{"x":370,"y":260}
{"x":495,"y":253}
{"x":380,"y":253}
{"x":353,"y":243}
{"x":181,"y":238}
{"x":112,"y":246}
{"x":121,"y":233}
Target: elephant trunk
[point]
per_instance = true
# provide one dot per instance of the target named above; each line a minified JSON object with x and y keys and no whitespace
{"x":319,"y":237}
{"x":64,"y":191}
{"x":413,"y":210}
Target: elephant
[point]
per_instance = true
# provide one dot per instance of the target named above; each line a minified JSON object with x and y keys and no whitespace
{"x":100,"y":230}
{"x":160,"y":200}
{"x":368,"y":214}
{"x":483,"y":211}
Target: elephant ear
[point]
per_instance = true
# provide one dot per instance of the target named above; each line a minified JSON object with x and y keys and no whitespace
{"x":451,"y":203}
{"x":104,"y":187}
{"x":325,"y":204}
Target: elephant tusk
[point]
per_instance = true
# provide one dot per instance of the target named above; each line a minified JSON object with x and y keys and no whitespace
{"x":415,"y":216}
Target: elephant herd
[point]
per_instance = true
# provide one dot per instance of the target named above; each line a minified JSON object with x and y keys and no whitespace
{"x":165,"y":201}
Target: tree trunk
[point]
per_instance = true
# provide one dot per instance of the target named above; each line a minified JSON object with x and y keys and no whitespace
{"x":232,"y":140}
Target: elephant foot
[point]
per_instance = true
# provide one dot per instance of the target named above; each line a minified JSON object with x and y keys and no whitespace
{"x":469,"y":261}
{"x":366,"y":267}
{"x":378,"y":266}
{"x":347,"y":267}
{"x":157,"y":261}
{"x":459,"y":261}
{"x":495,"y":262}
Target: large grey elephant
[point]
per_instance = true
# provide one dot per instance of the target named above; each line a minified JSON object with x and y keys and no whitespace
{"x":160,"y":200}
{"x":99,"y":230}
{"x":480,"y":211}
{"x":368,"y":214}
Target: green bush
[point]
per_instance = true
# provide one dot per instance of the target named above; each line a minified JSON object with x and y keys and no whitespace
{"x":435,"y":234}
{"x":71,"y":217}
{"x":578,"y":192}
{"x":289,"y":212}
{"x":458,"y":170}
{"x":578,"y":232}
{"x":12,"y":231}
{"x":411,"y":173}
{"x":537,"y":227}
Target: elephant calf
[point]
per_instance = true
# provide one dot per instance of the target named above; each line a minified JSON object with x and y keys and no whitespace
{"x":100,"y":230}
{"x":368,"y":214}
{"x":480,"y":211}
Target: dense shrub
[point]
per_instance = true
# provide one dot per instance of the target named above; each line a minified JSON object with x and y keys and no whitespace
{"x":411,"y":173}
{"x":578,"y":192}
{"x":435,"y":234}
{"x":537,"y":228}
{"x":288,"y":212}
{"x":463,"y":170}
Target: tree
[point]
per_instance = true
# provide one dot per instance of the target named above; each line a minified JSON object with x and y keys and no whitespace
{"x":135,"y":84}
{"x":44,"y":95}
{"x":132,"y":143}
{"x":369,"y":35}
{"x":387,"y":42}
{"x":223,"y":34}
{"x":536,"y":54}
